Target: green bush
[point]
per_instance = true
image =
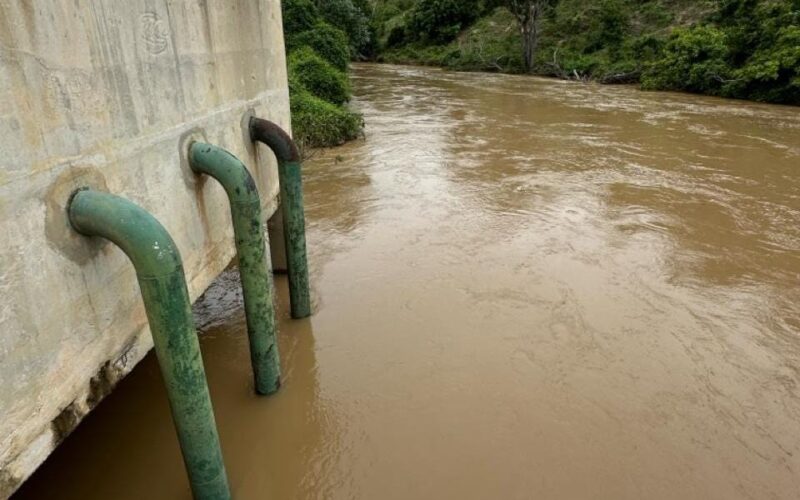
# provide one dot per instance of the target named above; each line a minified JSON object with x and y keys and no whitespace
{"x":298,"y":16}
{"x":319,"y":54}
{"x":773,"y":74}
{"x":396,"y":29}
{"x":440,"y":21}
{"x":317,"y":123}
{"x":613,"y":25}
{"x":390,"y":24}
{"x":746,"y":49}
{"x":327,"y":41}
{"x":654,"y":15}
{"x":694,"y":59}
{"x":349,"y":18}
{"x":318,"y":76}
{"x":764,"y":45}
{"x":491,"y":44}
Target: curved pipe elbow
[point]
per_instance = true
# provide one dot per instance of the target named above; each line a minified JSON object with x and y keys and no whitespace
{"x":274,"y":137}
{"x":143,"y":239}
{"x":225,"y":168}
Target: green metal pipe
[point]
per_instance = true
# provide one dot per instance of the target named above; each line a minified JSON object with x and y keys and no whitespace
{"x":291,"y":181}
{"x":248,"y":224}
{"x":166,"y":299}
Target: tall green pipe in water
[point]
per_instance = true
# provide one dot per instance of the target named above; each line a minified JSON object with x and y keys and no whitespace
{"x":290,"y":173}
{"x":248,"y":227}
{"x":166,"y":299}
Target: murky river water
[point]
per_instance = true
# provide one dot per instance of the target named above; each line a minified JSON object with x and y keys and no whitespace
{"x":525,"y":289}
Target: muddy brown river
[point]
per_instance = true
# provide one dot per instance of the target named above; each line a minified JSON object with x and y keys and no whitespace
{"x":524,"y":289}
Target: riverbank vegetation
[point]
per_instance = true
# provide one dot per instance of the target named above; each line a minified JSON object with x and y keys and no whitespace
{"x":747,"y":49}
{"x":321,"y":38}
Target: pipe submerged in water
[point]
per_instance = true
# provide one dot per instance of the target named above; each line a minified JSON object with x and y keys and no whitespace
{"x":291,"y":185}
{"x":254,"y":270}
{"x":160,"y":273}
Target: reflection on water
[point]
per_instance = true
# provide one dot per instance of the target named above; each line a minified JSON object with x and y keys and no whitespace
{"x":525,"y":288}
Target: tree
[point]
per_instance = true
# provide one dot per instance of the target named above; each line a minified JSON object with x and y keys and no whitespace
{"x":298,"y":16}
{"x":348,"y":17}
{"x":318,"y":76}
{"x":529,"y":14}
{"x":440,"y":21}
{"x":694,"y":59}
{"x":326,"y":40}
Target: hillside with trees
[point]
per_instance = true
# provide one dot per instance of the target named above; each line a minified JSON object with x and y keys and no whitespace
{"x":748,"y":49}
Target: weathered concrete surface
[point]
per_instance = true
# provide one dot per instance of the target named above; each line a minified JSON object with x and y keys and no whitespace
{"x":107,"y":94}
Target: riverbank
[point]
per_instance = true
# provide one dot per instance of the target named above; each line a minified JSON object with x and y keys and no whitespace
{"x":736,"y":49}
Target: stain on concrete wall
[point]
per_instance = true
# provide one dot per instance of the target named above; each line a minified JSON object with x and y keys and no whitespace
{"x":105,"y":93}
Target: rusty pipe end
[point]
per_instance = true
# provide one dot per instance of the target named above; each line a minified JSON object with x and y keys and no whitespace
{"x":274,"y":137}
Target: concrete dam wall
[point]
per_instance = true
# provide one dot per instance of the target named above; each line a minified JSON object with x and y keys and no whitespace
{"x":108,"y":94}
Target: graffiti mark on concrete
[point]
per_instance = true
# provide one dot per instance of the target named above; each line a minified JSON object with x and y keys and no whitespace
{"x":154,"y":33}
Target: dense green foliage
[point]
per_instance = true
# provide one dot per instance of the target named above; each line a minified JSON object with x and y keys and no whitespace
{"x":735,"y":48}
{"x":748,"y":49}
{"x":319,"y":123}
{"x":318,"y":76}
{"x":422,"y":23}
{"x":299,"y":16}
{"x":350,"y":17}
{"x":439,"y":21}
{"x":321,"y":38}
{"x":329,"y":42}
{"x":694,"y":59}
